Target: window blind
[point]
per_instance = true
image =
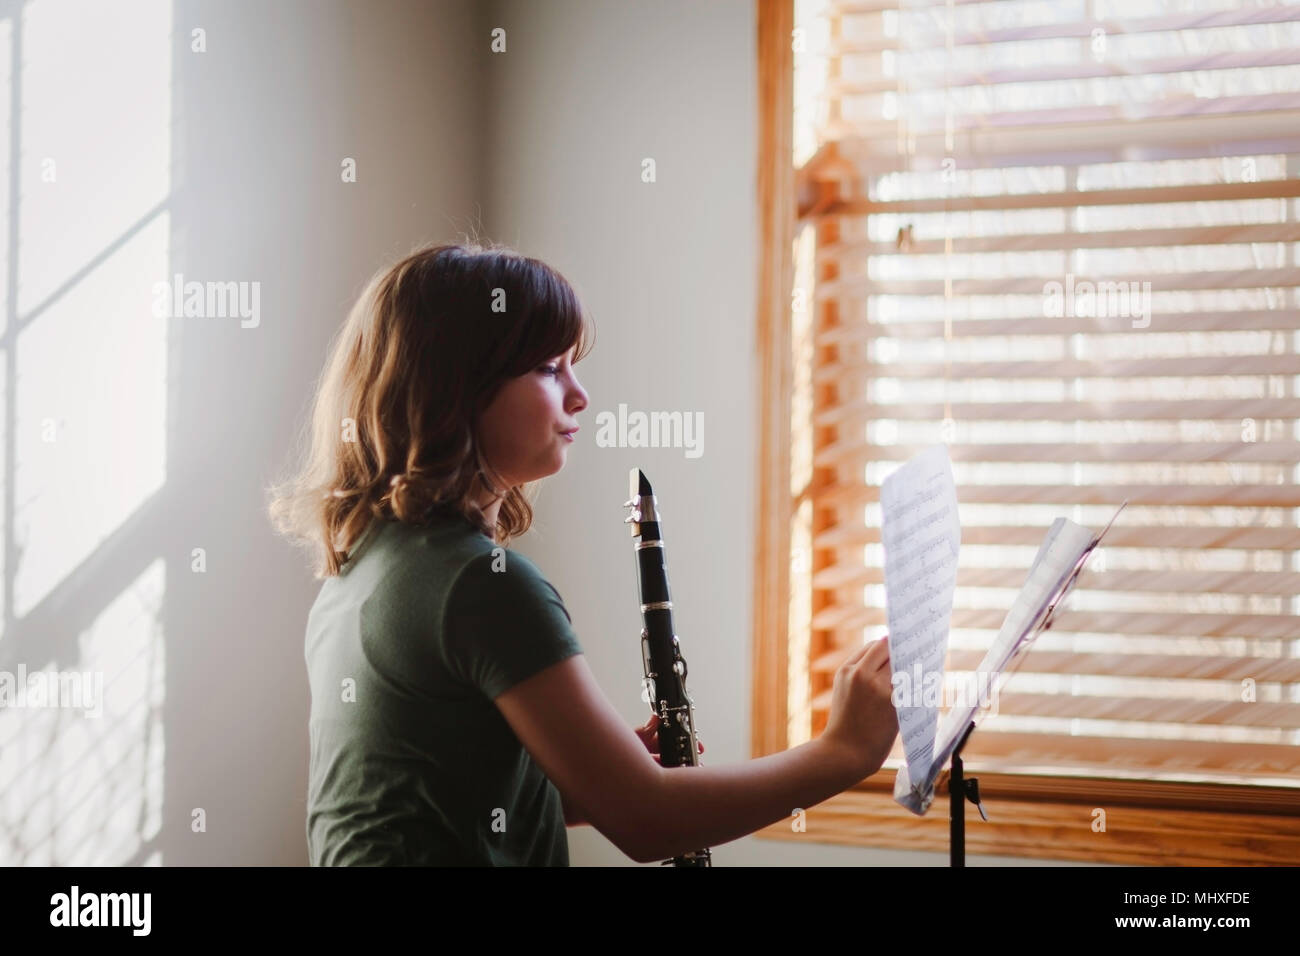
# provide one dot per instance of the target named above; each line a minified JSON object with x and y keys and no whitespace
{"x":1063,"y":239}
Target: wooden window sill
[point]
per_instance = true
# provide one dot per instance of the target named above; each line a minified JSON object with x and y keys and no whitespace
{"x":1045,"y":826}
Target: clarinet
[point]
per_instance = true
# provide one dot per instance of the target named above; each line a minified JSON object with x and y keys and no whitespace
{"x":664,"y":685}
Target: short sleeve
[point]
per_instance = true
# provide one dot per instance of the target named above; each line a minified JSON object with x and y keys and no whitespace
{"x":503,"y":623}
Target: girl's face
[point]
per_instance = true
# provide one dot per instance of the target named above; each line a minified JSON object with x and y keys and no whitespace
{"x":522,"y":430}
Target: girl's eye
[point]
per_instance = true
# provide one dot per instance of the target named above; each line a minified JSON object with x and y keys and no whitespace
{"x":550,"y":369}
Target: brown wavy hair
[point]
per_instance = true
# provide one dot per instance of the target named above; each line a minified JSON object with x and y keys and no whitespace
{"x":393,"y":429}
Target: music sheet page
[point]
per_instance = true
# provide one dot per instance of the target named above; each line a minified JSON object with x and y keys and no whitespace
{"x":921,"y":535}
{"x":1057,"y":556}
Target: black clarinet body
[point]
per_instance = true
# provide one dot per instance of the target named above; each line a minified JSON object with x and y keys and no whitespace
{"x":664,"y":684}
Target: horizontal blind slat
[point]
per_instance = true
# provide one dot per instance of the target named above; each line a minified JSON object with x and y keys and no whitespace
{"x":1183,"y":116}
{"x":1245,"y":320}
{"x":1119,"y":536}
{"x":1130,"y":196}
{"x":852,"y":450}
{"x":1190,"y":666}
{"x":1122,"y":756}
{"x":858,"y":286}
{"x":1153,"y":709}
{"x":1078,"y":29}
{"x":1166,"y":409}
{"x":1071,"y":241}
{"x":1245,"y":495}
{"x":1082,"y":70}
{"x":849,"y":621}
{"x":1191,"y":582}
{"x":1180,"y":367}
{"x":1172,"y":665}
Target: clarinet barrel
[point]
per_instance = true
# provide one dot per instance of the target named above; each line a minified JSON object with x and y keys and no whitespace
{"x":664,"y":681}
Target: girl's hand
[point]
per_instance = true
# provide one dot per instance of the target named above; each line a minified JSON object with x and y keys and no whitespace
{"x":649,"y":734}
{"x":863,"y":721}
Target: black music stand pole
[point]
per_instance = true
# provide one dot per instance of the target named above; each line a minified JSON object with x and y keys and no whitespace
{"x":959,"y":791}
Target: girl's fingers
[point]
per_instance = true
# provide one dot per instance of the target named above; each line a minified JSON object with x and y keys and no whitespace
{"x":860,"y":653}
{"x":876,"y":654}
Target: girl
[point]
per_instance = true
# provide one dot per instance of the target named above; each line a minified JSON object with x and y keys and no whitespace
{"x":454,"y":719}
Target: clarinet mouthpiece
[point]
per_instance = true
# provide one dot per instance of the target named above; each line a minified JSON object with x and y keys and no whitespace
{"x":638,"y":484}
{"x":639,"y":489}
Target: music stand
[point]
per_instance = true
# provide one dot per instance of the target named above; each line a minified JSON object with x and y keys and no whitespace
{"x":961,"y":788}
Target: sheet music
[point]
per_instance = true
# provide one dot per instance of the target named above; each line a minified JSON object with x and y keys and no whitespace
{"x":1052,"y":567}
{"x":921,"y":534}
{"x":919,"y":593}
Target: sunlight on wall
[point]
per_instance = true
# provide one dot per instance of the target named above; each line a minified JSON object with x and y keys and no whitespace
{"x":83,"y":394}
{"x":91,"y":358}
{"x":96,"y":99}
{"x":85,"y":790}
{"x":105,"y":409}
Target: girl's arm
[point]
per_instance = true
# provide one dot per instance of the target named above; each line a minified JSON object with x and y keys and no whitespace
{"x":652,"y":813}
{"x":572,"y":818}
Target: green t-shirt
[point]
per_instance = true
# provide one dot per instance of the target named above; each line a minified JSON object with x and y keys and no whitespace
{"x":411,"y":762}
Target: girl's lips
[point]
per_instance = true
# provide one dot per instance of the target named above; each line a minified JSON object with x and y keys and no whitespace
{"x":568,"y":435}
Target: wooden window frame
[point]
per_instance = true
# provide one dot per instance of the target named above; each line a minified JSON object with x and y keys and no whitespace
{"x":1046,"y":817}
